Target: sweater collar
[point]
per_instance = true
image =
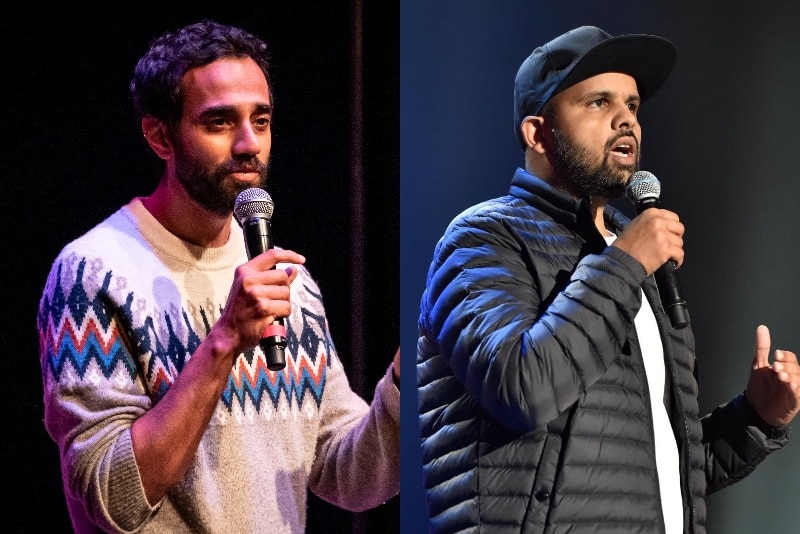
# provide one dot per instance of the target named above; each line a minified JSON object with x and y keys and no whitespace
{"x":169,"y":245}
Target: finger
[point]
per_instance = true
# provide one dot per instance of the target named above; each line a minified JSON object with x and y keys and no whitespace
{"x":272,"y":283}
{"x":786,"y":356}
{"x":667,"y":214}
{"x":292,"y":273}
{"x":274,"y":256}
{"x":761,"y":356}
{"x":786,"y":366}
{"x":676,"y":227}
{"x":779,"y":369}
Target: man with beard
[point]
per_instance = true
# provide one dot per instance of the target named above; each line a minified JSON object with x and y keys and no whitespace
{"x":554,"y":394}
{"x":156,"y":389}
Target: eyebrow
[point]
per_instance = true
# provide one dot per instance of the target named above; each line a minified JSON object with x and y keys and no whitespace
{"x":604,"y":93}
{"x":261,"y":109}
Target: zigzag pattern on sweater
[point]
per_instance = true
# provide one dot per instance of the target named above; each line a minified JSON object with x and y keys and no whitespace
{"x":83,"y":332}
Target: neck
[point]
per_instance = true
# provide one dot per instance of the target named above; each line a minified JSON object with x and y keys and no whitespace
{"x":598,"y":206}
{"x":185,"y":218}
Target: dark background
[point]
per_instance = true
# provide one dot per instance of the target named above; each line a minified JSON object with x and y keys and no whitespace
{"x":74,"y":154}
{"x":721,"y":135}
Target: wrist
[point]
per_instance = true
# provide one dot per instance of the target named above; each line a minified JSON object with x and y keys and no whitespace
{"x":222,"y":343}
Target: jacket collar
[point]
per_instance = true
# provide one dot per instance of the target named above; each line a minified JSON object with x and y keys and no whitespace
{"x":563,"y":208}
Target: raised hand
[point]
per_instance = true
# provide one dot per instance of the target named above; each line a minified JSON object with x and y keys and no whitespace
{"x":773,"y":389}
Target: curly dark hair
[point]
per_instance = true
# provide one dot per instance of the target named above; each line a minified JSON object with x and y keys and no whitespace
{"x":155,"y":88}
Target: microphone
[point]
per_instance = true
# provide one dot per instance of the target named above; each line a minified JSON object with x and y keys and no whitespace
{"x":253,"y":209}
{"x":643,"y":190}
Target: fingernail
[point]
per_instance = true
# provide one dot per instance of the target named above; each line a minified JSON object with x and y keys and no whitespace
{"x":289,"y":271}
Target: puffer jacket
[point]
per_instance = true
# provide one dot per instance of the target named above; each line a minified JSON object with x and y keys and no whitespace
{"x":533,"y":401}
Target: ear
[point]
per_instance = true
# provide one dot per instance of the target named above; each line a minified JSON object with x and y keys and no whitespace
{"x":532,"y":129}
{"x":155,"y":132}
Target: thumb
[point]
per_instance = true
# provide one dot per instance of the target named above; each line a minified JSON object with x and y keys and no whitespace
{"x":292,"y":273}
{"x":761,"y":356}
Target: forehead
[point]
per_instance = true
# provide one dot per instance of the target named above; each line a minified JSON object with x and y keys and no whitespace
{"x":617,"y":83}
{"x":225,"y":82}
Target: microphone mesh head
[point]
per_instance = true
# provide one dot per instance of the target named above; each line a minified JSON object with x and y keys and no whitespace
{"x":253,"y":202}
{"x":642,"y":185}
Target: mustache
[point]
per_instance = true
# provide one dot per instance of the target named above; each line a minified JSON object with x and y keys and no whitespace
{"x":242,"y":166}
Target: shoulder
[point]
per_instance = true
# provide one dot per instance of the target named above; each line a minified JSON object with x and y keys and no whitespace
{"x":105,"y":238}
{"x":501,"y":223}
{"x":113,"y":247}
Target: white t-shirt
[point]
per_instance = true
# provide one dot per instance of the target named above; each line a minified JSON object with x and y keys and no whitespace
{"x":666,"y":447}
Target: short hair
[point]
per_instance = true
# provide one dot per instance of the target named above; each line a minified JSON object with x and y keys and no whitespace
{"x":155,"y":87}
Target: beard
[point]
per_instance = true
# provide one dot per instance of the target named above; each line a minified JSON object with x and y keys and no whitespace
{"x":213,"y":187}
{"x":581,"y":177}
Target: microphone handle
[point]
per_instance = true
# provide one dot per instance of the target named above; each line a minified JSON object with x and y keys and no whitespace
{"x":669,"y":287}
{"x":273,"y":344}
{"x":258,"y":239}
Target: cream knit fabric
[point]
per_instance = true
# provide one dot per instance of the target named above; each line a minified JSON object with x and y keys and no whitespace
{"x":124,"y":307}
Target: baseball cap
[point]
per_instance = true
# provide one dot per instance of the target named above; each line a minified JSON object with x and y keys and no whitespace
{"x":585,"y":52}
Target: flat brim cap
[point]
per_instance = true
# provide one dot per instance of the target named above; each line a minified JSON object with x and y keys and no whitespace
{"x":585,"y":52}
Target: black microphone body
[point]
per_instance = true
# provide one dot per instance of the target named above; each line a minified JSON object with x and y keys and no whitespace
{"x":644,"y":190}
{"x":253,"y":209}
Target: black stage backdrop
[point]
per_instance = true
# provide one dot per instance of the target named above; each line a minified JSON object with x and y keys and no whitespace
{"x":721,"y":135}
{"x":76,"y":155}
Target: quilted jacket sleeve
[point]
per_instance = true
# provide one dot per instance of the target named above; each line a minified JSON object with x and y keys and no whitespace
{"x":524,"y":354}
{"x":736,"y":441}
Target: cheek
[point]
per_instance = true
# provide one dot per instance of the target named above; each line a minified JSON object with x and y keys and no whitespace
{"x":582,"y":131}
{"x":265,"y":142}
{"x":206,"y":150}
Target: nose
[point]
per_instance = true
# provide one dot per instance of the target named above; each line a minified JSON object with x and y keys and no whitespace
{"x":246,"y":142}
{"x":624,"y":118}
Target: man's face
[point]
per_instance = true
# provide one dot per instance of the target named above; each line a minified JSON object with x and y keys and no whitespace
{"x":595,"y":135}
{"x":223,"y":140}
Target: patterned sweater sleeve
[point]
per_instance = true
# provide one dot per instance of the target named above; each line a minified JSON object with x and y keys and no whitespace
{"x":92,"y":393}
{"x":357,"y":459}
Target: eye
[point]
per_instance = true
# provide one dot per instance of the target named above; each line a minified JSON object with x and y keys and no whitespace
{"x":217,"y":123}
{"x":597,"y":102}
{"x":633,"y":107}
{"x":262,"y":123}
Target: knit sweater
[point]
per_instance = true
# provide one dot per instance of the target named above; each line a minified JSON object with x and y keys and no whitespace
{"x":124,"y":307}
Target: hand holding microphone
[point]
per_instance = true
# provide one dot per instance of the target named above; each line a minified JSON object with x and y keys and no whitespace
{"x":656,"y":240}
{"x":253,"y":209}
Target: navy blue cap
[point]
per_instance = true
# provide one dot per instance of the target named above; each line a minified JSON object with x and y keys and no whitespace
{"x":585,"y":52}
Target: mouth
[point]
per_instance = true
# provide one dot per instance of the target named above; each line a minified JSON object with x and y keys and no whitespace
{"x":624,"y":149}
{"x":245,"y":174}
{"x":245,"y":170}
